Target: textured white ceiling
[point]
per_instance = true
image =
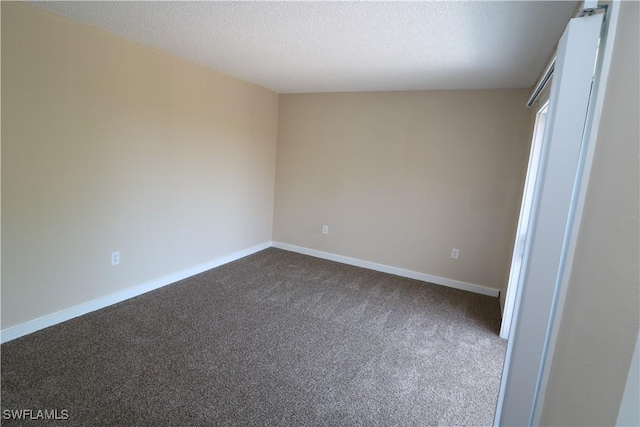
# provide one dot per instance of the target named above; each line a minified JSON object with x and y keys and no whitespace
{"x":345,"y":46}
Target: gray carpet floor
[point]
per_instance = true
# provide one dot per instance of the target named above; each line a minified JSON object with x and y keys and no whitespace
{"x":276,"y":338}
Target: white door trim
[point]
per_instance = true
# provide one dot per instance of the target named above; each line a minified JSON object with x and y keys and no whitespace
{"x":523,"y":385}
{"x":592,"y":125}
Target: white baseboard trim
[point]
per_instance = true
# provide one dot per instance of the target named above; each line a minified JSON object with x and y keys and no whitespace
{"x":31,"y":326}
{"x":478,"y":289}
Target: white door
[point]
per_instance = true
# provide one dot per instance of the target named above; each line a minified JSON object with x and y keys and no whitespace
{"x":551,"y":221}
{"x":518,"y":262}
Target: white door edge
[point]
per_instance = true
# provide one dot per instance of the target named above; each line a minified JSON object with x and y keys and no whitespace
{"x":521,"y":384}
{"x":592,"y":126}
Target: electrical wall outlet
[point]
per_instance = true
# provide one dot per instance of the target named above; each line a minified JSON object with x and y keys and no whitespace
{"x":325,"y":229}
{"x":454,"y":253}
{"x":115,"y":258}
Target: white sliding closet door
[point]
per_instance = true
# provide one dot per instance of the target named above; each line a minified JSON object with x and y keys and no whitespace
{"x":551,"y":221}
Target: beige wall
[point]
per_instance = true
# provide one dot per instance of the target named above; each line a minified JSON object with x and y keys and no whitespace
{"x":401,"y":178}
{"x":109,"y":145}
{"x":599,"y":326}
